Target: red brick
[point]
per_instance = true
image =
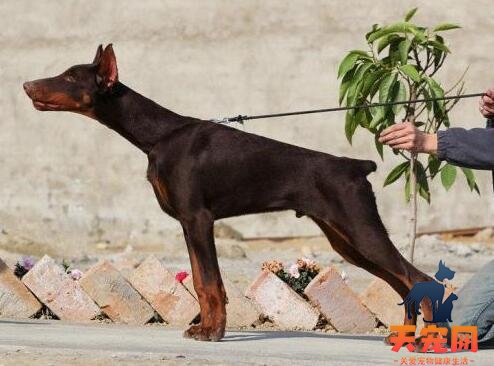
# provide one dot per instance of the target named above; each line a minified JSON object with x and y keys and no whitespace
{"x":338,"y":303}
{"x":16,"y":301}
{"x":115,"y":296}
{"x":168,"y":297}
{"x":382,"y":300}
{"x":61,"y":294}
{"x":281,"y":304}
{"x":240,"y":311}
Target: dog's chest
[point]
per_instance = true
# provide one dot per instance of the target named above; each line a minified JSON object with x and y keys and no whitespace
{"x":161,"y":191}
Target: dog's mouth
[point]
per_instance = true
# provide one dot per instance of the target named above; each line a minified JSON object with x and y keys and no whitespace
{"x":45,"y":106}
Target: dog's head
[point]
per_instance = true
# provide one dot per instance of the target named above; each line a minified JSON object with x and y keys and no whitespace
{"x":77,"y":88}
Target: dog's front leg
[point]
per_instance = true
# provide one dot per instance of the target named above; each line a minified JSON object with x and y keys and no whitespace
{"x":199,"y":235}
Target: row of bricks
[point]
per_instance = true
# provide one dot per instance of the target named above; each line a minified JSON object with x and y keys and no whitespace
{"x":150,"y":287}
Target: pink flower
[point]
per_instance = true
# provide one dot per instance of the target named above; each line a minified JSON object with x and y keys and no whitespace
{"x":294,"y":271}
{"x":27,"y":263}
{"x":76,"y":274}
{"x":181,"y":276}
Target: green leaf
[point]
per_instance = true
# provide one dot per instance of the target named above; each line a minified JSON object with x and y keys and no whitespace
{"x":422,"y":182}
{"x":378,"y":117}
{"x":364,"y":117}
{"x":409,"y":15}
{"x":370,"y":82}
{"x":387,"y":40}
{"x":438,"y":53}
{"x":434,"y":164}
{"x":377,"y":83}
{"x":379,"y":146}
{"x":424,"y":191}
{"x":394,"y":50}
{"x":420,"y":36}
{"x":360,"y":117}
{"x":426,"y":95}
{"x":354,"y":92}
{"x":347,"y":64}
{"x":411,"y":72}
{"x":350,"y":126}
{"x":349,"y":61}
{"x":404,"y":48}
{"x":345,"y":84}
{"x":439,"y":46}
{"x":396,"y":173}
{"x":400,"y":95}
{"x":386,"y":88}
{"x":472,"y":184}
{"x":445,"y":27}
{"x":401,"y":27}
{"x":448,"y":176}
{"x":375,"y":28}
{"x":439,"y":108}
{"x":407,"y":187}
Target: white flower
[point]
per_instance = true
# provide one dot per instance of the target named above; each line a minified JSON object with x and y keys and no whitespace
{"x":294,"y":271}
{"x":344,"y":276}
{"x":76,"y":274}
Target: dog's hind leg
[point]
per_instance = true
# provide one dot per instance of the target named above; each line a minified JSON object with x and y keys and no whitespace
{"x":355,"y":230}
{"x":198,"y":231}
{"x":397,"y":277}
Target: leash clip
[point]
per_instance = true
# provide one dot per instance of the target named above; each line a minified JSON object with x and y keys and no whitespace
{"x":227,"y":120}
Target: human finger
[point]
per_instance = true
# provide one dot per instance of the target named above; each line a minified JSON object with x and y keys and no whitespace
{"x":400,"y":140}
{"x":490,"y":92}
{"x":394,"y":128}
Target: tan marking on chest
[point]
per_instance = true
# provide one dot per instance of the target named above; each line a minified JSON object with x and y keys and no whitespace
{"x":161,"y":193}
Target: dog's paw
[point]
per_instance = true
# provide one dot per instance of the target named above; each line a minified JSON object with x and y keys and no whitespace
{"x":200,"y":333}
{"x":387,"y":339}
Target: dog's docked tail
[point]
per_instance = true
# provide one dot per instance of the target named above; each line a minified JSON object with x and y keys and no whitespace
{"x":367,"y":166}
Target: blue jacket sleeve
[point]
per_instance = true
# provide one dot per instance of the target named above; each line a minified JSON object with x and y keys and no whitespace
{"x":467,"y":148}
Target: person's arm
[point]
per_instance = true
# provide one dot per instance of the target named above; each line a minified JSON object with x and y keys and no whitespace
{"x":468,"y":148}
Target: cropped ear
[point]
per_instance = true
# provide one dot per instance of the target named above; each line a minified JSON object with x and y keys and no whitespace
{"x":99,"y":52}
{"x":107,"y":73}
{"x":441,"y":264}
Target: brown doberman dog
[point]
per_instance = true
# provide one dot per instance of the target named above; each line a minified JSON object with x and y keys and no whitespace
{"x":202,"y":171}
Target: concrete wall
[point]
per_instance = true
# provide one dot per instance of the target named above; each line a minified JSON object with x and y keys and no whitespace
{"x":65,"y":180}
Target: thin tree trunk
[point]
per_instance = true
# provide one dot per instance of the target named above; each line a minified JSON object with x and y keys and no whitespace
{"x":412,"y":219}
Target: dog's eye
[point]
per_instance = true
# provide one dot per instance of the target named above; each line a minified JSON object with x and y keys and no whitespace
{"x":69,"y":78}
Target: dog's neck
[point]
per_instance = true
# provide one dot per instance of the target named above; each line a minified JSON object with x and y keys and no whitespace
{"x":135,"y":117}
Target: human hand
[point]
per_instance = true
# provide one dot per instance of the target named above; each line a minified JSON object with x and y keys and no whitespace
{"x":408,"y":137}
{"x":486,"y":104}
